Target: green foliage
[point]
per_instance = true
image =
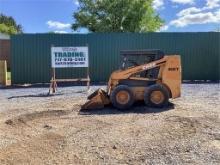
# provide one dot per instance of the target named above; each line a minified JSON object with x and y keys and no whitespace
{"x":7,"y":29}
{"x":117,"y":16}
{"x":8,"y":25}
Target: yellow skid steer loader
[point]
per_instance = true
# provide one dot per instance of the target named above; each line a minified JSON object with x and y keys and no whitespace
{"x":145,"y":75}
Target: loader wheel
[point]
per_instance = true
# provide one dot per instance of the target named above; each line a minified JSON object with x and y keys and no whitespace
{"x":156,"y":96}
{"x":122,"y":97}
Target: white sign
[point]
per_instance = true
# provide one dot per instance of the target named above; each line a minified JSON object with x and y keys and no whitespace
{"x":68,"y":57}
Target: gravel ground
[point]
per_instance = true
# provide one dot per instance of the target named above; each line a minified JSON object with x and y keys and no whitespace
{"x":40,"y":129}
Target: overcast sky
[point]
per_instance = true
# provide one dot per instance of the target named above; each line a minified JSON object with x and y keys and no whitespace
{"x":39,"y":16}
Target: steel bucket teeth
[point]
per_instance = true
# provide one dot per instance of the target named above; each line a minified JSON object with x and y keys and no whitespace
{"x":96,"y":100}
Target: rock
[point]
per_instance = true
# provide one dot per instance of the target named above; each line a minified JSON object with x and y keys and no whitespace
{"x":47,"y":126}
{"x":114,"y":147}
{"x":9,"y":122}
{"x":217,"y":137}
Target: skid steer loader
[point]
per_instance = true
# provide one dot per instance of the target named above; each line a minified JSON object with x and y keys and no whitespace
{"x":145,"y":75}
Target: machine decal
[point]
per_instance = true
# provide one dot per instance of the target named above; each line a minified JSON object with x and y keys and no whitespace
{"x":149,"y":66}
{"x":173,"y":69}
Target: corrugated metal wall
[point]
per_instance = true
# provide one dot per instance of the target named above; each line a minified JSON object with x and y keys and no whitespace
{"x":200,"y":53}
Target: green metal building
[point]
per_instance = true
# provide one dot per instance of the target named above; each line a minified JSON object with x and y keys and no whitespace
{"x":31,"y":56}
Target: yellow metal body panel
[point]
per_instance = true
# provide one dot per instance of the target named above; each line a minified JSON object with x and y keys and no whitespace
{"x":138,"y":92}
{"x":3,"y":72}
{"x":172,"y":76}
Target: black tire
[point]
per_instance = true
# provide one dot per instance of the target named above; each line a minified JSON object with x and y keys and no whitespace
{"x":116,"y":103}
{"x":163,"y":92}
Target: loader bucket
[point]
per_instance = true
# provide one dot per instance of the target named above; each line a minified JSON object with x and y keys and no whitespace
{"x":96,"y":100}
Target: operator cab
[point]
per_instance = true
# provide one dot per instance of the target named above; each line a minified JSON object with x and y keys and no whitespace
{"x":133,"y":58}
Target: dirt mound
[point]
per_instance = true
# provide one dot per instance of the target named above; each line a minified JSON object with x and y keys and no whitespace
{"x":24,"y":118}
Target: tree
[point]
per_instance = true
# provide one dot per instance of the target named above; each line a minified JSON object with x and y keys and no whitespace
{"x":117,"y":16}
{"x":7,"y":29}
{"x":8,"y":25}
